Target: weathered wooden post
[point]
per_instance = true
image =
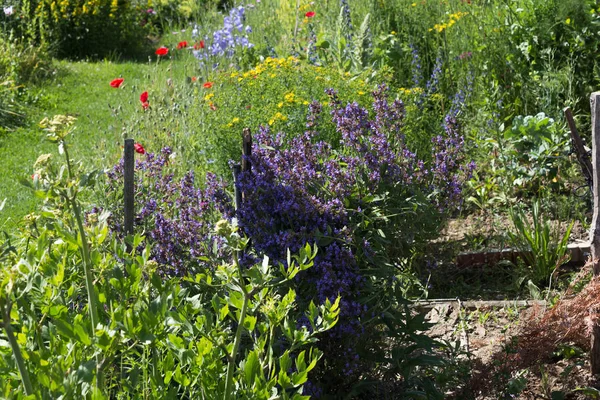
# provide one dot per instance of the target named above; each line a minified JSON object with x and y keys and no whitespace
{"x":128,"y":189}
{"x":595,"y":228}
{"x":246,"y":149}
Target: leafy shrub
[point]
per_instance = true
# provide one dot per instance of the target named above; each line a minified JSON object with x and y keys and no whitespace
{"x":81,"y":28}
{"x":535,"y":152}
{"x":21,"y":65}
{"x":366,"y":205}
{"x":275,"y":92}
{"x":225,"y":333}
{"x":544,"y":248}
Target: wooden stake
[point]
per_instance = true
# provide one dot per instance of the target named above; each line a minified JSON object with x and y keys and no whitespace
{"x":128,"y":192}
{"x":595,"y":228}
{"x":595,"y":350}
{"x":246,"y":149}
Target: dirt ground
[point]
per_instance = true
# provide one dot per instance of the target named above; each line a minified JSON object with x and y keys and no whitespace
{"x":488,"y":335}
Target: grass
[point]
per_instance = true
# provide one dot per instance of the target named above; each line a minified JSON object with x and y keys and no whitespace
{"x":80,"y":89}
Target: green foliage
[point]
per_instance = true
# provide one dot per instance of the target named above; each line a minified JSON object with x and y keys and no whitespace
{"x":81,"y":28}
{"x":535,"y":151}
{"x":225,"y":333}
{"x":543,"y":247}
{"x":276,"y":92}
{"x":21,"y":65}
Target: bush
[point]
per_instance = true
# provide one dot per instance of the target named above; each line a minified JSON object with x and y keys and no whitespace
{"x":84,"y":317}
{"x":367,"y":206}
{"x":21,"y":65}
{"x":276,"y":93}
{"x":81,"y":28}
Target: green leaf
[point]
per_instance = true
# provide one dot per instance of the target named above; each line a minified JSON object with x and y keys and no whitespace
{"x":223,"y":312}
{"x":323,"y":44}
{"x":168,"y":377}
{"x":82,"y":335}
{"x":65,"y":329}
{"x":285,"y":362}
{"x":249,"y":322}
{"x":252,"y":368}
{"x":284,"y":380}
{"x":236,"y":299}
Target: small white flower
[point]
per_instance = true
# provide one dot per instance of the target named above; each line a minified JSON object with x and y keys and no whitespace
{"x":8,"y":11}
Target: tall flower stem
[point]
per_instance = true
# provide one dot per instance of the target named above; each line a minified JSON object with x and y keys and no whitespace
{"x":87,"y":266}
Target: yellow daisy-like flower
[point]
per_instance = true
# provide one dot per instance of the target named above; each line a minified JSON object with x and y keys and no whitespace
{"x":290,"y":97}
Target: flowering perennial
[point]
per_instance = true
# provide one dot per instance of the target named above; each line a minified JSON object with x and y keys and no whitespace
{"x":226,"y":40}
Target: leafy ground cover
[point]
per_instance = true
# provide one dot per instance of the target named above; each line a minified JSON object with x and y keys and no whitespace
{"x":381,"y":130}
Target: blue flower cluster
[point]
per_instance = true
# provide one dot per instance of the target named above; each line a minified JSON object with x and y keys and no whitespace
{"x":299,"y":189}
{"x":226,"y":40}
{"x":302,"y":189}
{"x":176,"y":216}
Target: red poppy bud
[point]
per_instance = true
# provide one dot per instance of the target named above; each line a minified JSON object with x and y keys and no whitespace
{"x":162,"y":51}
{"x":139,"y":148}
{"x":309,"y":14}
{"x":116,"y":83}
{"x":144,"y":97}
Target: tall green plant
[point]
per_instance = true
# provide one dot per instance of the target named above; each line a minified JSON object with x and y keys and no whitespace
{"x":225,"y":333}
{"x":544,"y":250}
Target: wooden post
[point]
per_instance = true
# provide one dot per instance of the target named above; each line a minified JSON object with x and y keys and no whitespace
{"x":128,"y":190}
{"x":595,"y":228}
{"x":246,"y":149}
{"x":582,"y":155}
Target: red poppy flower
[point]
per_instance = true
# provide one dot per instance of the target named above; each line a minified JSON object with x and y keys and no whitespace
{"x":144,"y":97}
{"x":194,"y":79}
{"x":199,"y":45}
{"x":182,"y":45}
{"x":309,"y":14}
{"x":208,"y":85}
{"x":116,"y":83}
{"x":162,"y":51}
{"x":139,"y":148}
{"x":145,"y":105}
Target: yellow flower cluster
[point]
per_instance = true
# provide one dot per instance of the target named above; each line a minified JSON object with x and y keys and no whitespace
{"x":452,"y":20}
{"x":270,"y":64}
{"x":233,"y":122}
{"x":65,"y":10}
{"x":408,"y":92}
{"x":277,"y":117}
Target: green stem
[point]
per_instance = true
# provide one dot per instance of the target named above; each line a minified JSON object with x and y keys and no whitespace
{"x":238,"y":335}
{"x":87,"y":266}
{"x":89,"y":285}
{"x":15,"y":348}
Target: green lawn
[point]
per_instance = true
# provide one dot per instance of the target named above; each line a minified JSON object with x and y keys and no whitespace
{"x":81,"y":89}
